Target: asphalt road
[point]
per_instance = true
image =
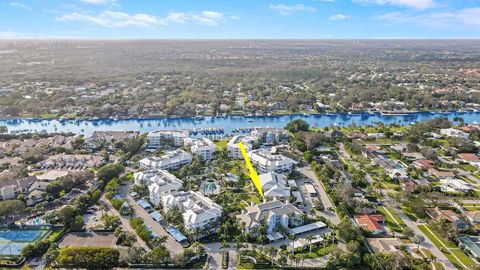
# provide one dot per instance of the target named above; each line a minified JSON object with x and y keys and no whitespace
{"x":327,"y":203}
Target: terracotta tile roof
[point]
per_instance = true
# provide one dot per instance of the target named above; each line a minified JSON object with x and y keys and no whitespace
{"x":370,"y":222}
{"x":468,"y":157}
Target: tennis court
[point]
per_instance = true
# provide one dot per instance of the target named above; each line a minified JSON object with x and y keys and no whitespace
{"x":13,"y":241}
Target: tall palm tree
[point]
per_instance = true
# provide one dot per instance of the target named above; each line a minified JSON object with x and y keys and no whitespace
{"x":309,"y":239}
{"x":293,"y":237}
{"x":272,"y":252}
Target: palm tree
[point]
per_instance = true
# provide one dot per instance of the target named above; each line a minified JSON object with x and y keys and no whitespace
{"x":418,"y":239}
{"x":272,"y":252}
{"x":291,"y":257}
{"x":293,"y":237}
{"x":309,"y":239}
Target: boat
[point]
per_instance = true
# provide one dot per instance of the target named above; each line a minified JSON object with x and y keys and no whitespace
{"x":250,"y":120}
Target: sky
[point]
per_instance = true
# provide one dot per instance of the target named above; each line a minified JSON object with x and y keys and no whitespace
{"x":239,"y":19}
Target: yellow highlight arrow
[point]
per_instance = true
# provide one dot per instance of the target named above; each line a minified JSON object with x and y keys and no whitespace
{"x":253,"y":173}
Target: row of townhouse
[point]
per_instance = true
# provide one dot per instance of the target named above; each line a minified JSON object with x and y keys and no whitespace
{"x":71,"y":161}
{"x":33,"y":188}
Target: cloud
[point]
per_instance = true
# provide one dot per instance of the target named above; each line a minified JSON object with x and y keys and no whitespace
{"x":121,"y":19}
{"x":206,"y":17}
{"x":112,"y":19}
{"x":20,"y":5}
{"x":100,"y":2}
{"x":418,"y":4}
{"x":339,"y":17}
{"x":11,"y":34}
{"x":469,"y":16}
{"x":290,"y":9}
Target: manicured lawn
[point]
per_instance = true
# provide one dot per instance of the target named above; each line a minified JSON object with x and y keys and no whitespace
{"x":439,"y":266}
{"x":391,"y":220}
{"x":222,"y":144}
{"x":472,"y":208}
{"x":250,"y":197}
{"x":464,"y":258}
{"x":317,"y":251}
{"x":468,"y":167}
{"x":391,"y":185}
{"x":452,"y":249}
{"x":408,"y":213}
{"x":430,"y":234}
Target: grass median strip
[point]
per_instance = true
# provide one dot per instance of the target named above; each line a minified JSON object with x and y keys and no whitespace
{"x":392,"y":220}
{"x":455,"y":255}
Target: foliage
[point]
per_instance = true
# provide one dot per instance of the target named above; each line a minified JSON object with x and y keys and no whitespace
{"x":11,"y":208}
{"x":109,"y":171}
{"x":297,"y":125}
{"x":89,"y":257}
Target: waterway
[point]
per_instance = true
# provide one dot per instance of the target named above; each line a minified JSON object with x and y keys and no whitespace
{"x":228,"y":124}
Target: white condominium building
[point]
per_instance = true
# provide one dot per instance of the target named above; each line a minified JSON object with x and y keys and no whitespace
{"x":156,"y":138}
{"x":273,"y":214}
{"x":268,"y":162}
{"x":233,"y":148}
{"x":274,"y":186}
{"x":171,"y":160}
{"x":159,"y":183}
{"x":269,"y":135}
{"x":203,"y":147}
{"x":198,"y":211}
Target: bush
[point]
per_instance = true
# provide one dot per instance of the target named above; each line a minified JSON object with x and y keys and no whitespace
{"x":88,"y":257}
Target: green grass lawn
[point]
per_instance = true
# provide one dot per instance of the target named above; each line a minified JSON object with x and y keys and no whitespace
{"x":463,"y":257}
{"x":317,"y":251}
{"x":471,"y":208}
{"x":452,"y":248}
{"x":409,"y":214}
{"x":430,"y":234}
{"x":389,"y":185}
{"x":221,"y":144}
{"x":391,"y":220}
{"x":468,"y":167}
{"x":250,"y":197}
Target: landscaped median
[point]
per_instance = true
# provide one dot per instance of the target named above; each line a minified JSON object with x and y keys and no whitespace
{"x":455,"y":255}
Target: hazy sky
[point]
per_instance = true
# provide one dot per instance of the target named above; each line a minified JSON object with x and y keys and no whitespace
{"x":173,"y":19}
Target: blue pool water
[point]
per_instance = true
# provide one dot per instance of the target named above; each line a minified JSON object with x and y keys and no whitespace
{"x":229,"y":124}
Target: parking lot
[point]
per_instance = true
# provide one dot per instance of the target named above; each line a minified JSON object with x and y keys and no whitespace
{"x":93,"y":219}
{"x":85,"y":239}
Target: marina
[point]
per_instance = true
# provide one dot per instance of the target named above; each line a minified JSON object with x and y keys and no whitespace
{"x":218,"y":126}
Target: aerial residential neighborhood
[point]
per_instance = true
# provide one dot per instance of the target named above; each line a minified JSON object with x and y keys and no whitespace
{"x":240,"y":134}
{"x":161,"y":197}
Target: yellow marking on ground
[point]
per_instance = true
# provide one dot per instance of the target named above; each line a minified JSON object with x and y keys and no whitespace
{"x":253,"y":173}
